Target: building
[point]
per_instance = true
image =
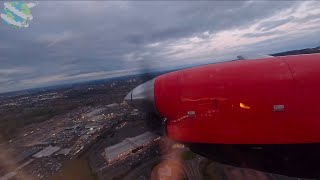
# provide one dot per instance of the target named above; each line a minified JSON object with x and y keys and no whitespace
{"x":123,"y":104}
{"x":92,"y":131}
{"x":75,"y":127}
{"x":64,"y":151}
{"x":94,"y":126}
{"x":48,"y":151}
{"x":112,"y":105}
{"x":135,"y":112}
{"x":118,"y":151}
{"x":93,"y":112}
{"x":125,"y":148}
{"x":143,"y":139}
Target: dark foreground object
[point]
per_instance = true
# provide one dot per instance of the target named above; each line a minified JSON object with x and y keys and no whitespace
{"x":290,"y":160}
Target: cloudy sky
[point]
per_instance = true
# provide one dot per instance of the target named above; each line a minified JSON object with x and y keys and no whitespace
{"x":75,"y":41}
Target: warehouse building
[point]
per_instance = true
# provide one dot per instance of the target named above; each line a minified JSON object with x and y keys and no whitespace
{"x":64,"y":151}
{"x":112,"y":105}
{"x":143,"y":139}
{"x":47,"y":151}
{"x":93,"y":112}
{"x":118,"y":151}
{"x":125,"y":148}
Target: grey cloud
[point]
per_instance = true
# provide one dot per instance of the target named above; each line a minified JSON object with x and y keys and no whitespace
{"x":261,"y":34}
{"x":269,"y":25}
{"x":72,"y":38}
{"x":276,"y":44}
{"x":313,"y":17}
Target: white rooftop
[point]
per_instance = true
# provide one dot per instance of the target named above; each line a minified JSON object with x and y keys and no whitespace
{"x":143,"y":139}
{"x":64,"y":151}
{"x":112,"y":105}
{"x":47,"y":151}
{"x":115,"y":152}
{"x":94,"y":112}
{"x":119,"y":148}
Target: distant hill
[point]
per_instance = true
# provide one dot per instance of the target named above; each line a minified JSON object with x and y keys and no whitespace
{"x":143,"y":75}
{"x":297,"y":52}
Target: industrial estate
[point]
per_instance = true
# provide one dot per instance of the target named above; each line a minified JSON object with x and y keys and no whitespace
{"x":104,"y":133}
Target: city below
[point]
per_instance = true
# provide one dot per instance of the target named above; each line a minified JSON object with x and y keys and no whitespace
{"x":87,"y":131}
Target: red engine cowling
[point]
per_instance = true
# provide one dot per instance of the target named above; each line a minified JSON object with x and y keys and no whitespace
{"x":261,"y":101}
{"x":261,"y":113}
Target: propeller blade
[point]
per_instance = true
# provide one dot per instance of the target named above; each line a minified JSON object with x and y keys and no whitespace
{"x":142,"y":97}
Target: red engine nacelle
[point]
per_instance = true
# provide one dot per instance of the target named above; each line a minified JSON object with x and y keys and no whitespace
{"x":263,"y":101}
